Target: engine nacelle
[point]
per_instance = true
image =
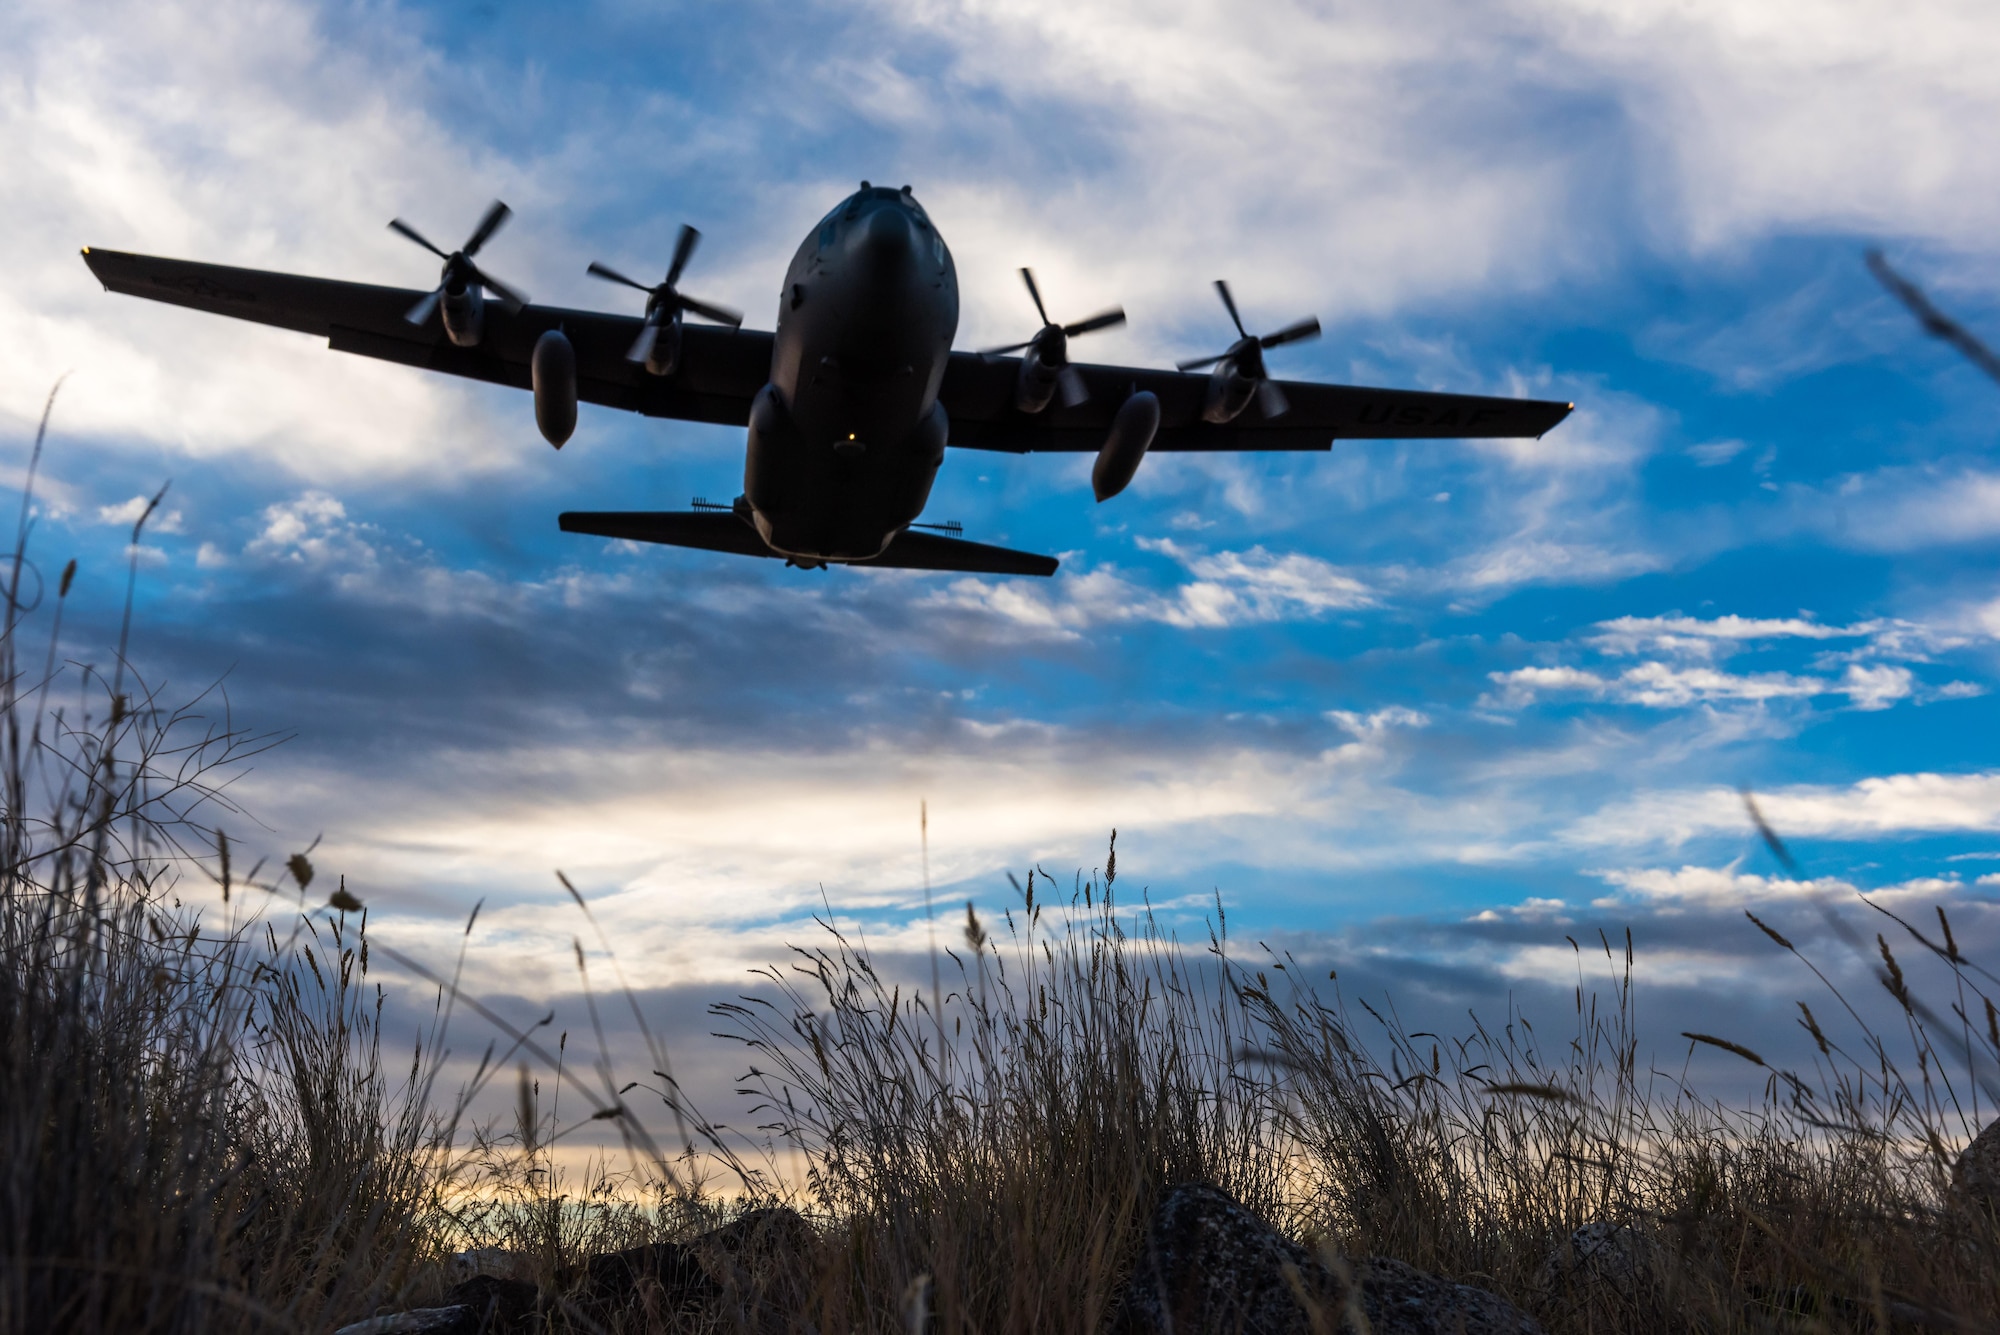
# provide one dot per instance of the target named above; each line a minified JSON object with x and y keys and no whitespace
{"x":1132,"y":432}
{"x":464,"y":312}
{"x":666,"y":351}
{"x":1036,"y":385}
{"x":552,"y":369}
{"x":1229,"y":393}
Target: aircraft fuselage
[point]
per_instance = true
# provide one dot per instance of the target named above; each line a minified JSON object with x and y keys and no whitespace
{"x":847,"y":437}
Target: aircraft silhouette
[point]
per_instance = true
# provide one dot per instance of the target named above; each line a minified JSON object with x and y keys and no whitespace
{"x":850,"y":402}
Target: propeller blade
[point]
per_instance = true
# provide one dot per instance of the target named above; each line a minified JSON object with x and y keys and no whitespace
{"x":610,"y":274}
{"x":1002,"y":352}
{"x":719,"y":314}
{"x":1101,"y":320}
{"x":1271,"y":400}
{"x":496,"y":215}
{"x":1292,"y":333}
{"x":1036,"y":293}
{"x":398,"y":225}
{"x":642,"y":346}
{"x":683,"y":249}
{"x":509,"y":298}
{"x":1229,"y":303}
{"x":1074,"y":391}
{"x":420,"y":313}
{"x":1200,"y":362}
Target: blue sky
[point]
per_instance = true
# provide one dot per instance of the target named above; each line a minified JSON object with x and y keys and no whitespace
{"x":1424,"y":708}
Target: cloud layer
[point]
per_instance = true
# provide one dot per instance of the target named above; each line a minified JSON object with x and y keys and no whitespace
{"x":1422,"y":708}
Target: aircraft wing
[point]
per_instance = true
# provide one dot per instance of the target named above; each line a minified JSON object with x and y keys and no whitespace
{"x":720,"y":370}
{"x":978,"y":392}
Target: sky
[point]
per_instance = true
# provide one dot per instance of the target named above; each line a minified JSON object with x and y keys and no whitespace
{"x":1420,"y":710}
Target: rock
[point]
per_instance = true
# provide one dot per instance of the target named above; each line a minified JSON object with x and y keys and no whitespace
{"x":658,"y":1279}
{"x":1400,"y":1299}
{"x":1612,"y":1258}
{"x":1210,"y":1265}
{"x":759,"y":1235}
{"x":764,"y":1264}
{"x":454,"y":1320}
{"x":498,"y":1306}
{"x":1975,"y":1177}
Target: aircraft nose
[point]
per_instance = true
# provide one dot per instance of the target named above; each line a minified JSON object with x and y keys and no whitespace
{"x":884,"y":240}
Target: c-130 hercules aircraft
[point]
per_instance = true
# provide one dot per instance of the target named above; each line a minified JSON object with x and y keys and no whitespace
{"x":850,"y":402}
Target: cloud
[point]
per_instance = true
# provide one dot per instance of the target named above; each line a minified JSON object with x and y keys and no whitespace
{"x":1228,"y":589}
{"x":1889,"y":805}
{"x":1681,"y":634}
{"x":313,"y":530}
{"x":1281,"y":701}
{"x":1666,"y":686}
{"x":1712,"y":453}
{"x":1872,"y":675}
{"x":1231,"y":588}
{"x":243,"y":133}
{"x":1898,"y":509}
{"x":129,"y":512}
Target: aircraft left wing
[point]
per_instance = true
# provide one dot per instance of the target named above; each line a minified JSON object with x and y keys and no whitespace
{"x":978,"y":392}
{"x":721,"y":369}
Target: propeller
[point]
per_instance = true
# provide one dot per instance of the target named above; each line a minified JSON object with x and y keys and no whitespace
{"x":1054,"y":338}
{"x":664,"y":300}
{"x":459,"y":266}
{"x":1249,"y":353}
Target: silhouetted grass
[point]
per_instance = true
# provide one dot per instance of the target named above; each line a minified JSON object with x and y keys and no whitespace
{"x":1085,"y":1061}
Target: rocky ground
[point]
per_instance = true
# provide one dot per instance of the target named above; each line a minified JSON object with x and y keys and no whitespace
{"x":1210,"y":1265}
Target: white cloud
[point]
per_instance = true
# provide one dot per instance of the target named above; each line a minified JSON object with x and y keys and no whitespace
{"x":1739,"y":120}
{"x":239,"y":132}
{"x":1711,"y":453}
{"x":1667,"y":686}
{"x":1229,"y":589}
{"x":1234,"y":587}
{"x":1629,"y":634}
{"x":1380,"y":721}
{"x":313,"y":531}
{"x":1877,"y":687}
{"x":699,"y":867}
{"x":1514,"y":562}
{"x":1713,"y":887}
{"x":1894,"y":804}
{"x":127,"y":513}
{"x":1900,"y":509}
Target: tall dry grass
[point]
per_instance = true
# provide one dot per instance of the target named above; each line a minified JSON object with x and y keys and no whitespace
{"x":196,"y":1133}
{"x":1002,"y":1142}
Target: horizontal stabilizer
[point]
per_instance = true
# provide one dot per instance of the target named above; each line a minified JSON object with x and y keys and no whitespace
{"x":707,"y":529}
{"x":723,"y":532}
